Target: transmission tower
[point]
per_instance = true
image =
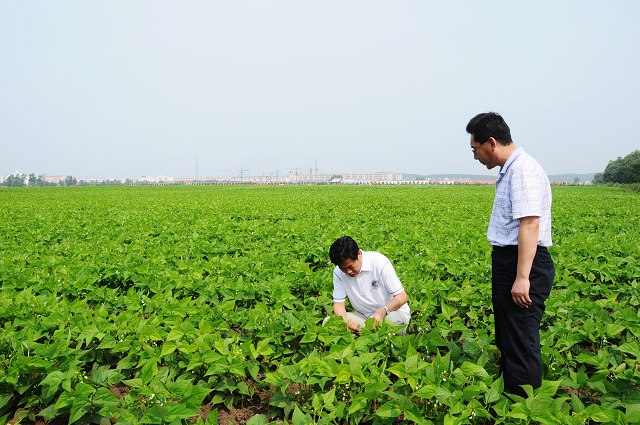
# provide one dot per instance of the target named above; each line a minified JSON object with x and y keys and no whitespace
{"x":242,"y":170}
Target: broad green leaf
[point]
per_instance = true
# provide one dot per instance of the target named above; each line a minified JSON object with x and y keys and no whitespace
{"x":598,"y":386}
{"x":300,"y":418}
{"x":53,"y":381}
{"x":471,"y":369}
{"x":309,"y":337}
{"x":264,"y":348}
{"x":79,"y":408}
{"x":107,"y":342}
{"x":632,"y":348}
{"x":316,"y":403}
{"x":212,"y":419}
{"x":257,"y":420}
{"x":632,"y":413}
{"x":106,"y":377}
{"x":103,"y":397}
{"x":175,"y":335}
{"x":576,"y":403}
{"x":548,"y":388}
{"x":133,"y":383}
{"x":343,"y":376}
{"x":329,"y":398}
{"x":427,"y":392}
{"x":181,"y":387}
{"x":4,"y":399}
{"x":168,"y":347}
{"x":358,"y":403}
{"x":597,"y":414}
{"x":390,"y":409}
{"x":614,"y":329}
{"x":149,"y":371}
{"x":83,"y":390}
{"x":64,"y":400}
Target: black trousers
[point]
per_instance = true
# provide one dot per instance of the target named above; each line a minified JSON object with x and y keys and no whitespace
{"x":518,"y":329}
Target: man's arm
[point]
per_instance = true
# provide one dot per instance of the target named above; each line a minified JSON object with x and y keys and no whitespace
{"x":395,"y":303}
{"x":527,"y":245}
{"x":340,"y":309}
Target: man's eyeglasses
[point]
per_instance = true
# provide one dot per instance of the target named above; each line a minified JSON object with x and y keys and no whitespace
{"x":475,"y":150}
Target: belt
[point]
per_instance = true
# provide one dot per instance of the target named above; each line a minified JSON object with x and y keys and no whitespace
{"x":506,"y":248}
{"x":510,"y":248}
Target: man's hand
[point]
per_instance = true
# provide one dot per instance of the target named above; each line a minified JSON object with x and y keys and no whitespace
{"x":379,"y":314}
{"x":527,"y":245}
{"x":353,"y":327}
{"x":520,"y":292}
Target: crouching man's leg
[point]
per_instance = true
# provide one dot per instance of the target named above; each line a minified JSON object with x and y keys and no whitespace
{"x":354,"y":320}
{"x":399,"y":319}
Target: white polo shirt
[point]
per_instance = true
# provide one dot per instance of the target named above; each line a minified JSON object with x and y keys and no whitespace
{"x":522,"y":190}
{"x":375,"y":285}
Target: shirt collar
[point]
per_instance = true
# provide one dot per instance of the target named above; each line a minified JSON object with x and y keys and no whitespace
{"x":512,"y":157}
{"x":366,"y":262}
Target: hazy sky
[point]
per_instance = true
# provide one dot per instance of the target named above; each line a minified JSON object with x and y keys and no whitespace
{"x":125,"y":88}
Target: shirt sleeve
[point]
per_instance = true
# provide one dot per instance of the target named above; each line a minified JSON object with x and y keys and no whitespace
{"x":391,"y":281}
{"x":526,"y":194}
{"x":339,"y":294}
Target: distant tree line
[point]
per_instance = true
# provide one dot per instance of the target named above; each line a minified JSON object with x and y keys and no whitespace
{"x":621,"y":170}
{"x":21,"y":180}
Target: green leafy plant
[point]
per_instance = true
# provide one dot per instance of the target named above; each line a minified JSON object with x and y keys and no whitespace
{"x":177,"y":304}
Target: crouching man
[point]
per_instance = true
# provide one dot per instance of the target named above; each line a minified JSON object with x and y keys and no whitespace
{"x":369,"y":281}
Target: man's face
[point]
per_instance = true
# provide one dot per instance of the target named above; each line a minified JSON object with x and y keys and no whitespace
{"x":483,"y":152}
{"x":352,"y":267}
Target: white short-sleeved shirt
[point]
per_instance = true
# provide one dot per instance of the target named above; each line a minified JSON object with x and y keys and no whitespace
{"x":522,"y":190}
{"x":375,"y":285}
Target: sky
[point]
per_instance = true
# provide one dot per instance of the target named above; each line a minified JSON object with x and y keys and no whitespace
{"x":121,"y":88}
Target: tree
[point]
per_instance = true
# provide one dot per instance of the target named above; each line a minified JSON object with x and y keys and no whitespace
{"x":33,"y":180}
{"x":621,"y":170}
{"x":69,"y":181}
{"x":17,"y":180}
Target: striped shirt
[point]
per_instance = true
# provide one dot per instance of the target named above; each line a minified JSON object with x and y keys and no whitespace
{"x":522,"y":190}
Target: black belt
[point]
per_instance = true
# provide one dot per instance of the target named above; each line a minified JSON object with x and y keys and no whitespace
{"x":505,"y":248}
{"x":511,"y":248}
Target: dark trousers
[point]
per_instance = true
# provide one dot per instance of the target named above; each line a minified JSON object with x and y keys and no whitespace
{"x":518,"y":329}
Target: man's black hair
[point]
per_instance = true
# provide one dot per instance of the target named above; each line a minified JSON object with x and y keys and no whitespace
{"x":489,"y":124}
{"x":342,"y":249}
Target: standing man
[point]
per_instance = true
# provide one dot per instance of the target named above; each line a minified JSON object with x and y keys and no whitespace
{"x":368,"y":279}
{"x":520,"y":232}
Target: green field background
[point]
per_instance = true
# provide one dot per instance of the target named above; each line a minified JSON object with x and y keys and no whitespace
{"x":183,"y":304}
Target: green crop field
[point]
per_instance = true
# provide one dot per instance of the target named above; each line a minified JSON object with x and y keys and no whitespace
{"x":149,"y":305}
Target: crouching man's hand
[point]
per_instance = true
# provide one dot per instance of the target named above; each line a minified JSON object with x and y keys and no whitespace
{"x":379,"y":315}
{"x":353,"y":327}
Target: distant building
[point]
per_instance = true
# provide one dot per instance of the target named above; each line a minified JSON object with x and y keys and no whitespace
{"x":158,"y":179}
{"x":477,"y":181}
{"x":54,"y":179}
{"x":372,"y":178}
